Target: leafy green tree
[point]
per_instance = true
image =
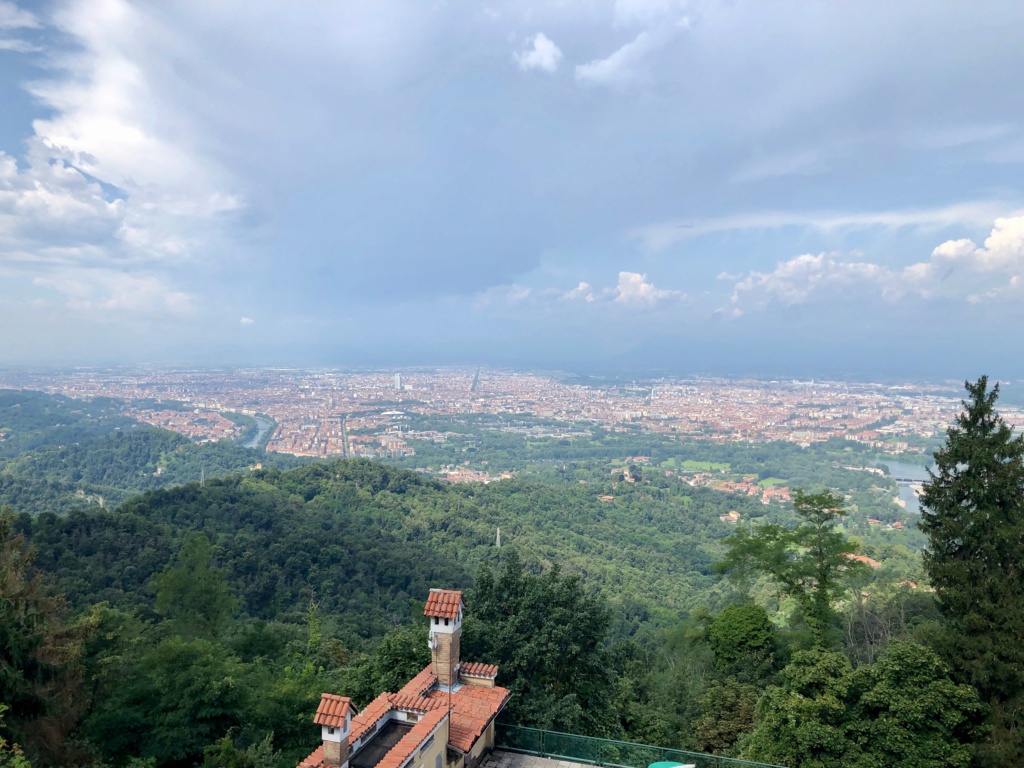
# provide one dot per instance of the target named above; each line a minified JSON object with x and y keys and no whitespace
{"x":547,"y":635}
{"x":173,"y":701}
{"x":727,"y":713}
{"x":911,"y":714}
{"x":809,"y":563}
{"x":903,"y":710}
{"x":745,"y":642}
{"x":804,"y":721}
{"x":974,"y":518}
{"x":192,"y":592}
{"x":40,"y":672}
{"x":11,"y":755}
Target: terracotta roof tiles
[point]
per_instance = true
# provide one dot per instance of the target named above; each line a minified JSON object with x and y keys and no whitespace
{"x":332,"y":710}
{"x":420,"y":684}
{"x":371,"y":713}
{"x":478,"y":669}
{"x":412,"y":740}
{"x":473,"y":707}
{"x":443,"y":603}
{"x":416,"y":703}
{"x":315,"y":759}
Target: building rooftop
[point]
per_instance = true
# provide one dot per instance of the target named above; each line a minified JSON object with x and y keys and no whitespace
{"x":443,"y":603}
{"x":333,"y":710}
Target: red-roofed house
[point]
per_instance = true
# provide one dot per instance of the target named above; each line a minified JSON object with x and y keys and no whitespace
{"x":442,"y":718}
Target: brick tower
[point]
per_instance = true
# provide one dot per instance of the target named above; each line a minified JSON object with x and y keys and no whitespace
{"x":444,"y":609}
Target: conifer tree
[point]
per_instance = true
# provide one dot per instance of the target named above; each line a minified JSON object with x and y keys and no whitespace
{"x":974,"y":518}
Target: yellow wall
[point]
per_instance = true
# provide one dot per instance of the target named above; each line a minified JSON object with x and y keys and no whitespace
{"x":427,"y":758}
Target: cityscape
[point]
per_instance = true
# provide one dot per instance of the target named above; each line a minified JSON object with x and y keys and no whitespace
{"x":330,"y":413}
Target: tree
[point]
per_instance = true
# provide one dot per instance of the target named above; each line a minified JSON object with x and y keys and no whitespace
{"x":809,"y":563}
{"x":744,"y":641}
{"x":547,"y":635}
{"x":39,"y":653}
{"x":804,"y":721}
{"x":973,"y":515}
{"x":192,"y":592}
{"x":911,"y":714}
{"x":727,"y":712}
{"x":904,"y":710}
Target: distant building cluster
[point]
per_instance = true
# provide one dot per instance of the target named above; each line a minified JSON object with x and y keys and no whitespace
{"x":335,"y":413}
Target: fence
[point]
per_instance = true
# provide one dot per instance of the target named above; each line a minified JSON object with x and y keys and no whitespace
{"x":604,"y":752}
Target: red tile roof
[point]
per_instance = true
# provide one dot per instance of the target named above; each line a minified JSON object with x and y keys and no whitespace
{"x":443,"y":603}
{"x":332,"y":710}
{"x":371,"y":713}
{"x":420,"y":684}
{"x":315,"y":759}
{"x":473,"y":707}
{"x":416,"y":703}
{"x":412,"y":740}
{"x":478,"y":669}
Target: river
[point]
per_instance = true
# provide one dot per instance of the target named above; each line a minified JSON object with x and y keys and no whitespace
{"x":264,"y":426}
{"x":910,"y":472}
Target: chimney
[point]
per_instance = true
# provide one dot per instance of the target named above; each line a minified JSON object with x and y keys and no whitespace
{"x":334,"y":716}
{"x":444,"y":611}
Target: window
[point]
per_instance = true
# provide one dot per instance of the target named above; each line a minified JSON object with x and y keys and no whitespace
{"x":446,"y":622}
{"x":427,"y":743}
{"x":330,"y":731}
{"x":436,"y":621}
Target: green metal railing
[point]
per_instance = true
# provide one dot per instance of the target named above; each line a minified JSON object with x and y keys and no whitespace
{"x":615,"y":754}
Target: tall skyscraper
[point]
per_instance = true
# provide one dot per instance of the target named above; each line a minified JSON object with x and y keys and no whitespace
{"x":398,"y":381}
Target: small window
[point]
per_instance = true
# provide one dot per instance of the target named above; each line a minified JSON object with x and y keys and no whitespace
{"x":446,"y":622}
{"x":437,"y":620}
{"x":427,"y":743}
{"x":330,"y":731}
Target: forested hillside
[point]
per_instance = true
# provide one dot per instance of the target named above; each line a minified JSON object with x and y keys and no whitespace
{"x":58,"y":455}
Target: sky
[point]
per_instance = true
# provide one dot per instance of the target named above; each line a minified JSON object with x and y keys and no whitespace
{"x":735,"y":187}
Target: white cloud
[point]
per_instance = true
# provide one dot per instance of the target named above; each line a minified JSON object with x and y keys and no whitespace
{"x":657,"y":237}
{"x":634,"y":290}
{"x":958,"y":269}
{"x":540,"y":53}
{"x":13,"y":17}
{"x":107,"y":291}
{"x":581,"y":291}
{"x":18,"y":46}
{"x":246,"y":321}
{"x":803,"y":277}
{"x":619,"y":67}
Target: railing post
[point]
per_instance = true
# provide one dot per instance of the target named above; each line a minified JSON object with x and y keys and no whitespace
{"x":543,"y":748}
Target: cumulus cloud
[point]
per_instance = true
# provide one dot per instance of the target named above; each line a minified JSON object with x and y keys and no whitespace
{"x":539,"y":53}
{"x":957,"y":269}
{"x":581,"y":291}
{"x":634,"y":290}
